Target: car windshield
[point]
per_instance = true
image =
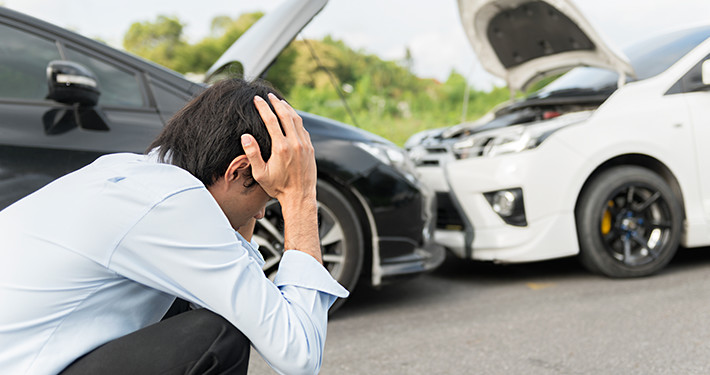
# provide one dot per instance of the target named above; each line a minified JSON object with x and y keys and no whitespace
{"x":648,"y":58}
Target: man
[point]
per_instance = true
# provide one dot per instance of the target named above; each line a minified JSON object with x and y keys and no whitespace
{"x":94,"y":258}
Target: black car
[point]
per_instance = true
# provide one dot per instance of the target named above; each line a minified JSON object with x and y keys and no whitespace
{"x":66,"y":99}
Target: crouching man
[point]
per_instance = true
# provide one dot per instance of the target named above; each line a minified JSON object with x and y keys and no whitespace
{"x":91,"y":262}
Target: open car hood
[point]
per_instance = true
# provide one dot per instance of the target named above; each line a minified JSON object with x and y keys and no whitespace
{"x":257,"y":48}
{"x":522,"y":41}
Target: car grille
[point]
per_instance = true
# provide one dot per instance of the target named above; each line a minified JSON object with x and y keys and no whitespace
{"x":447,"y":216}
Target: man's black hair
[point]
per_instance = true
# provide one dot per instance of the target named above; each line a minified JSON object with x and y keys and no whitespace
{"x":205,"y":135}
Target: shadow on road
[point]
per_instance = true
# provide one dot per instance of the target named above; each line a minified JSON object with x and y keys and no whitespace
{"x":435,"y":287}
{"x":689,"y":258}
{"x":461,"y":269}
{"x":398,"y":295}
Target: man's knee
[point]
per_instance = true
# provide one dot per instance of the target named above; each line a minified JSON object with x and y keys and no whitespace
{"x":199,"y":319}
{"x":194,"y":342}
{"x":228,"y":348}
{"x":211,"y":331}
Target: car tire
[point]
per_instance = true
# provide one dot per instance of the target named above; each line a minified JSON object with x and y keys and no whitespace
{"x":339,"y":230}
{"x":629,"y":223}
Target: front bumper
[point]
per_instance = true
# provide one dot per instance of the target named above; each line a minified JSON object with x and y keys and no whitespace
{"x":548,"y":178}
{"x":404,"y":257}
{"x":402,"y":216}
{"x":469,"y":228}
{"x":422,"y":259}
{"x":554,"y":237}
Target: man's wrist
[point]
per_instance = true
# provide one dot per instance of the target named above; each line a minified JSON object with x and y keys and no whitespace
{"x":301,"y":226}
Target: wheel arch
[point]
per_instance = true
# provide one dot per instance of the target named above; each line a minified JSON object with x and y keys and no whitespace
{"x":363,"y":219}
{"x":640,"y":160}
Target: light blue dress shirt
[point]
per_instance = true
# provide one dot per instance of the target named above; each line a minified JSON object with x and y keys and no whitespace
{"x":103,"y":251}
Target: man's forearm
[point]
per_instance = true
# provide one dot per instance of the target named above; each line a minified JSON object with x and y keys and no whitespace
{"x":290,"y":174}
{"x":301,"y":226}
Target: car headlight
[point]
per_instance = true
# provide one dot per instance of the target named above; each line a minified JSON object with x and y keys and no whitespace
{"x":392,"y":156}
{"x":516,"y":138}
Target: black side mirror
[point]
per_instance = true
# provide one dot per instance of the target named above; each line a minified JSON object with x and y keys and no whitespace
{"x":72,"y":83}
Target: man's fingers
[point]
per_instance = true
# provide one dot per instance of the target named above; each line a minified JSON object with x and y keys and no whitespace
{"x":272,"y":123}
{"x":290,"y":117}
{"x":253,"y":153}
{"x":286,"y":117}
{"x":298,"y":124}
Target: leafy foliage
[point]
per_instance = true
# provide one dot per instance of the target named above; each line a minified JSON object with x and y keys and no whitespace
{"x":160,"y":41}
{"x":383,"y":97}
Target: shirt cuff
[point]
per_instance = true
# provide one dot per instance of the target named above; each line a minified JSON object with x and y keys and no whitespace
{"x":300,"y":269}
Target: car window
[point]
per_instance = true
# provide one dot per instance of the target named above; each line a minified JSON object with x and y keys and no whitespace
{"x":23,"y":64}
{"x":691,"y":81}
{"x":656,"y":55}
{"x":119,"y":88}
{"x":584,"y":78}
{"x":648,"y":58}
{"x":168,"y":101}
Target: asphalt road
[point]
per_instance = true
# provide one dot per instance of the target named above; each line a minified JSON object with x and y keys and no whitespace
{"x":544,"y":318}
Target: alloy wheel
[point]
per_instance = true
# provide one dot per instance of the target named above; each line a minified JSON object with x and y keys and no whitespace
{"x":269,"y":234}
{"x":635,"y":224}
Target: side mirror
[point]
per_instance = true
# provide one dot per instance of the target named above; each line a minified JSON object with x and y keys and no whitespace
{"x":705,"y":72}
{"x":72,"y":83}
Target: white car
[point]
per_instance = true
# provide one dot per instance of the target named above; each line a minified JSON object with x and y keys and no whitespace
{"x":610,"y":161}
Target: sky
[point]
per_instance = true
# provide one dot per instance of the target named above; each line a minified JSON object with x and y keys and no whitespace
{"x":431,"y":29}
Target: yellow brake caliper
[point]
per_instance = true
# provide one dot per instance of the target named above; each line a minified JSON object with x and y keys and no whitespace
{"x":606,"y":219}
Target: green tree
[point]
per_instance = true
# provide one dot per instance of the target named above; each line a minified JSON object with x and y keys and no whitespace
{"x":160,"y":41}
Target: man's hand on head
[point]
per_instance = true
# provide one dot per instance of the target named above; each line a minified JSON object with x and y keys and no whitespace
{"x":290,"y":174}
{"x":291,"y":170}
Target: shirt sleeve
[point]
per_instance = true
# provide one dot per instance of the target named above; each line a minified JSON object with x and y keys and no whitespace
{"x":252,"y":249}
{"x":185,"y":246}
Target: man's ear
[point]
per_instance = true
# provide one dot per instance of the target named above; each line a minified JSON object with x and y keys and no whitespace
{"x":237,"y":167}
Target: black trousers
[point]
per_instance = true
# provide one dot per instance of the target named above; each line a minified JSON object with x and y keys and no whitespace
{"x":193,"y":342}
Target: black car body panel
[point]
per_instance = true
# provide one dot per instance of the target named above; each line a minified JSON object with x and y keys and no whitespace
{"x":403,"y":248}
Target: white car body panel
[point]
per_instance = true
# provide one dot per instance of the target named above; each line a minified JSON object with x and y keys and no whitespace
{"x":700,"y":112}
{"x":543,"y":238}
{"x":435,"y":179}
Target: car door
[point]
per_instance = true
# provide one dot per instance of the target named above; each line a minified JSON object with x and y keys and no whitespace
{"x":40,"y":139}
{"x":697,"y":96}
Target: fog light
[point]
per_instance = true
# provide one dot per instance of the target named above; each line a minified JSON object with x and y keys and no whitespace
{"x":503,"y":203}
{"x":508,"y":204}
